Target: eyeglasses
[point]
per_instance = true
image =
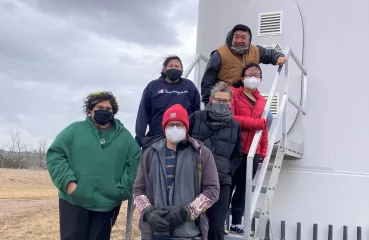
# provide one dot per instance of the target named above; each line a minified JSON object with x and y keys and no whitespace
{"x":252,"y":75}
{"x":223,"y":100}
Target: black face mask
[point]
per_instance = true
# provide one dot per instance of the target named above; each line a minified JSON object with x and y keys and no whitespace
{"x":173,"y":74}
{"x":102,"y":117}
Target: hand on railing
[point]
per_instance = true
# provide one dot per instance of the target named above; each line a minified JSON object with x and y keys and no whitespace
{"x":282,"y":60}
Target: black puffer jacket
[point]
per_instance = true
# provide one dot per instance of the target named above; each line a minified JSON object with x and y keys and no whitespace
{"x":224,"y":143}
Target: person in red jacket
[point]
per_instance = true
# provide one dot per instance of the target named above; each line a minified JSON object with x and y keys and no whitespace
{"x":247,"y":106}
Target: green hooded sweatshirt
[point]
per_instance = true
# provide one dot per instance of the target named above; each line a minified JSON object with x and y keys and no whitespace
{"x":103,"y":170}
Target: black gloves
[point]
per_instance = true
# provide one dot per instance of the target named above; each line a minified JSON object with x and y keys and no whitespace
{"x":154,"y":218}
{"x":167,"y":218}
{"x":176,"y":215}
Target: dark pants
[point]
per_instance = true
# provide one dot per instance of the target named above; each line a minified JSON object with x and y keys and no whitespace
{"x":77,"y":223}
{"x":239,"y":182}
{"x":217,"y":214}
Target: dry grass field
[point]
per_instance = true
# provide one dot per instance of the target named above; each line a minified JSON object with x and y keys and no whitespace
{"x":29,"y":207}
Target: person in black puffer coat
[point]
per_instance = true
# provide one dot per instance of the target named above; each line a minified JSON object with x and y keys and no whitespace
{"x":220,"y":133}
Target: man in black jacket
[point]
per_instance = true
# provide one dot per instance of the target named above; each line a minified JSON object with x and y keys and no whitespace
{"x":217,"y":130}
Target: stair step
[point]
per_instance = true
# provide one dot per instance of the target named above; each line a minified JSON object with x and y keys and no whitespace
{"x":257,"y":213}
{"x":234,"y":236}
{"x":270,"y":166}
{"x":264,"y":189}
{"x":293,"y":150}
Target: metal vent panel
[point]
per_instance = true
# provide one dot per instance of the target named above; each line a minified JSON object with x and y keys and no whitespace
{"x":270,"y":23}
{"x":275,"y":103}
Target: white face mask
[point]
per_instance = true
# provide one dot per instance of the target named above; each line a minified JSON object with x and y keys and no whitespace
{"x":252,"y":82}
{"x":175,"y":135}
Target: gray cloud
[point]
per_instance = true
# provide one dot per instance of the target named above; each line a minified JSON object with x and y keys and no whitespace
{"x":52,"y":54}
{"x":42,"y":48}
{"x":139,"y":21}
{"x":45,"y":109}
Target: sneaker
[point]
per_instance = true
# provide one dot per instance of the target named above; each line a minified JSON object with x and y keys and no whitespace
{"x":226,"y":231}
{"x":238,"y":229}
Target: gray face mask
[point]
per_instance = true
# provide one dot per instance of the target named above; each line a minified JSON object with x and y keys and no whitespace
{"x":220,"y":107}
{"x":240,"y":50}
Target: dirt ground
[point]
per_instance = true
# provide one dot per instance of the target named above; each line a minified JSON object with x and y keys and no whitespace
{"x":29,"y":207}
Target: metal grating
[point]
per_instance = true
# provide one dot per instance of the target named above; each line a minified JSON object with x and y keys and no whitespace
{"x":275,"y":103}
{"x":298,"y":236}
{"x":270,"y":23}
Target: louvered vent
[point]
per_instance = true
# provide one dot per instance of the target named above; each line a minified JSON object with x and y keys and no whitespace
{"x":270,"y":23}
{"x":275,"y":104}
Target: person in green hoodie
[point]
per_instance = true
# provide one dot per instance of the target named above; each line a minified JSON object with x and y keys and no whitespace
{"x":93,"y":163}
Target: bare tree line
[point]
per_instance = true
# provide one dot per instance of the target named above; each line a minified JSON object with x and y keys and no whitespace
{"x":19,"y":155}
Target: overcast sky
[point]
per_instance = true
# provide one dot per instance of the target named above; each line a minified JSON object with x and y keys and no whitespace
{"x":54,"y":53}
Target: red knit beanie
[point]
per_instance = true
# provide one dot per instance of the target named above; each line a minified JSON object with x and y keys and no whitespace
{"x":176,"y":113}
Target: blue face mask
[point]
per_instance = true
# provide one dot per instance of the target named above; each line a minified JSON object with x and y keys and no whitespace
{"x":173,"y":74}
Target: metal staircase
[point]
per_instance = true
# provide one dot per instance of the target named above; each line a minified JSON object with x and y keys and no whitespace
{"x":260,"y":196}
{"x":257,"y":206}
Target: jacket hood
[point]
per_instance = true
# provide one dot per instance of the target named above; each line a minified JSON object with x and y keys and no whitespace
{"x":118,"y":125}
{"x":229,"y":37}
{"x":148,"y":141}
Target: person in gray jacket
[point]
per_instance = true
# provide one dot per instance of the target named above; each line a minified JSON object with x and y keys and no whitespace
{"x":228,"y":60}
{"x":177,"y":181}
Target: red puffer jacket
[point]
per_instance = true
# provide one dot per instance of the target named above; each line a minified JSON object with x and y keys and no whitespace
{"x":249,"y":118}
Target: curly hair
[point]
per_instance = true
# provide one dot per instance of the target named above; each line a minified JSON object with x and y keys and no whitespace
{"x":96,"y":97}
{"x":166,"y":62}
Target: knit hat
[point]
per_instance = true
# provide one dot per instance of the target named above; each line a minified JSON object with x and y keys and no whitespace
{"x":176,"y":113}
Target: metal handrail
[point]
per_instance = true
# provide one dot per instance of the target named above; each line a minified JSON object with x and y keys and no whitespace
{"x":196,"y":60}
{"x":265,"y":164}
{"x":249,"y":209}
{"x":251,"y":198}
{"x":129,"y":219}
{"x":292,"y":54}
